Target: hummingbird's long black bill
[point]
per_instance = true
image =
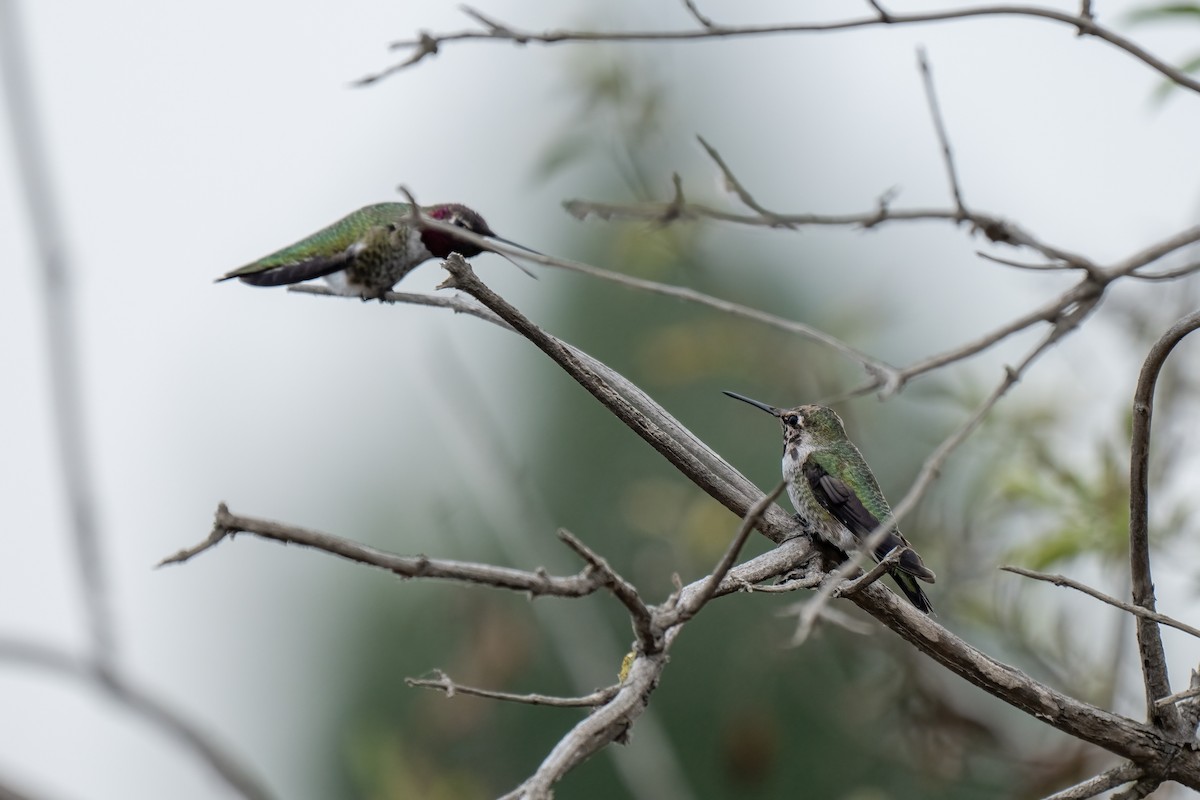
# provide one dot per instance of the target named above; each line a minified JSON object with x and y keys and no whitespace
{"x":772,"y":410}
{"x":519,"y":246}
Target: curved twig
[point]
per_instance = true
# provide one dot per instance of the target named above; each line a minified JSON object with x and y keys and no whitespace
{"x":1154,"y":664}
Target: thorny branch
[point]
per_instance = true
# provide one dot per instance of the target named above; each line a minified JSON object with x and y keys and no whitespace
{"x":427,"y":44}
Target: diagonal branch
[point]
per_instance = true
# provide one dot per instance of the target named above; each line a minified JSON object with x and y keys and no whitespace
{"x":1154,"y":663}
{"x":725,"y":485}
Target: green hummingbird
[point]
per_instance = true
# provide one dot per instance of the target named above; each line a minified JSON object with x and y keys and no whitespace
{"x":367,"y":252}
{"x":832,"y":488}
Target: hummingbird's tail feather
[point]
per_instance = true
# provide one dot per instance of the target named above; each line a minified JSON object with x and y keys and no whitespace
{"x":285,"y":274}
{"x":910,"y":560}
{"x":912,"y":590}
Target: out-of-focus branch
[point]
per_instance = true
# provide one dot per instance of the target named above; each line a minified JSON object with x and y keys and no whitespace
{"x":129,"y":697}
{"x":1154,"y":663}
{"x":59,"y":316}
{"x":427,"y":44}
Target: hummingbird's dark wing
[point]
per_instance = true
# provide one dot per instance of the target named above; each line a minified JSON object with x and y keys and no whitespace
{"x":844,"y":505}
{"x":260,"y":274}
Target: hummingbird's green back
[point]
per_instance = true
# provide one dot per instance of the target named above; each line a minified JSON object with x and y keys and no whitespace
{"x":332,"y":239}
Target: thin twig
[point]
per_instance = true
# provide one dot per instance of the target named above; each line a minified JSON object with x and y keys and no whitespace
{"x":1154,"y":664}
{"x":443,"y":683}
{"x":1062,"y":580}
{"x":458,"y":304}
{"x":737,"y":187}
{"x":690,"y":5}
{"x":494,"y":31}
{"x":1008,"y":262}
{"x":688,"y":609}
{"x":939,"y":127}
{"x":878,"y":571}
{"x":1186,"y":694}
{"x":1109,"y":779}
{"x":623,"y":590}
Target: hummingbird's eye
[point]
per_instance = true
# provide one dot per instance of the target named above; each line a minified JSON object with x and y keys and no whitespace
{"x":459,"y":221}
{"x":792,"y":420}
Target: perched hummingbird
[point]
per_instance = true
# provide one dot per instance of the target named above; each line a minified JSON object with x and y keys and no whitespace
{"x":833,"y":488}
{"x":369,"y":251}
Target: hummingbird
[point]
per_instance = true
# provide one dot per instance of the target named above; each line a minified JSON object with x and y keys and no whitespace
{"x":832,"y":487}
{"x":367,"y":252}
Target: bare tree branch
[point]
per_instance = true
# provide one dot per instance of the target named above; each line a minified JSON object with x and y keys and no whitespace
{"x":1154,"y":664}
{"x":537,"y":583}
{"x":1063,"y":580}
{"x":491,"y":30}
